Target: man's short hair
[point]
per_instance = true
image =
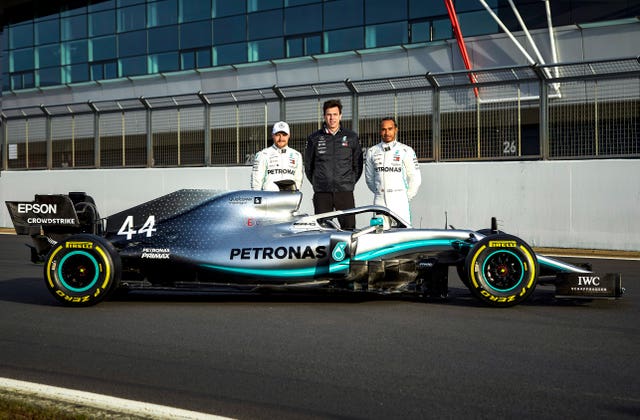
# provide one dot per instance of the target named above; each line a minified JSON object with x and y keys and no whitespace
{"x":393,"y":120}
{"x":332,"y":103}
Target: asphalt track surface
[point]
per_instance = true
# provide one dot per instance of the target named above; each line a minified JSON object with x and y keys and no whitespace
{"x":308,"y":357}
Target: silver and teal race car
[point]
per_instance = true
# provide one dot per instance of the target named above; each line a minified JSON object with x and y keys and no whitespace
{"x":254,"y":241}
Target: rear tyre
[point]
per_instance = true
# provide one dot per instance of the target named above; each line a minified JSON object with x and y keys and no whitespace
{"x":82,"y":270}
{"x":501,"y":270}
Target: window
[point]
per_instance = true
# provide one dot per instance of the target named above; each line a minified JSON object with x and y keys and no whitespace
{"x":103,"y":48}
{"x":228,"y":8}
{"x":470,"y":5}
{"x":163,"y":39}
{"x":379,"y":11}
{"x":430,"y":30}
{"x":73,"y":27}
{"x":164,"y":12}
{"x":298,"y":20}
{"x":477,"y":23}
{"x":386,"y":34}
{"x":343,"y":13}
{"x":288,"y":3}
{"x":196,"y":34}
{"x":441,"y":29}
{"x":133,"y":66}
{"x":295,"y":47}
{"x":191,"y":10}
{"x":20,"y":60}
{"x":420,"y":31}
{"x":102,"y":23}
{"x":104,"y":70}
{"x":47,"y":31}
{"x":159,"y":63}
{"x":203,"y":58}
{"x":75,"y":73}
{"x":132,"y":43}
{"x":74,"y":52}
{"x":187,"y":60}
{"x":228,"y":30}
{"x":98,"y":6}
{"x":421,"y":8}
{"x":266,"y":49}
{"x":304,"y":45}
{"x":123,"y":3}
{"x":21,"y":35}
{"x":265,"y":24}
{"x":131,"y":18}
{"x":344,"y":40}
{"x":48,"y":77}
{"x":193,"y":59}
{"x":257,"y":5}
{"x":24,"y":80}
{"x":230,"y":54}
{"x":48,"y":55}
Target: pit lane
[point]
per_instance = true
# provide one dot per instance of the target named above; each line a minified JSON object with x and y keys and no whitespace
{"x":330,"y":357}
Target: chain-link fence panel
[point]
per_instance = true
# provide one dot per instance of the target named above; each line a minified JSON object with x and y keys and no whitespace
{"x":371,"y":109}
{"x":123,"y":139}
{"x":304,"y":117}
{"x":459,"y":124}
{"x":252,"y":132}
{"x":572,"y":120}
{"x":238,"y":132}
{"x":27,"y":143}
{"x":17,"y":145}
{"x":618,"y":118}
{"x":412,"y":112}
{"x":178,"y":136}
{"x":37,"y":143}
{"x":135,"y":145}
{"x":165,"y":125}
{"x":191,"y":136}
{"x":595,"y":118}
{"x":224,"y":134}
{"x":73,"y":144}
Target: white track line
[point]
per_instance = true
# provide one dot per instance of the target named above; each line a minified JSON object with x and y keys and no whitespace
{"x":103,"y":402}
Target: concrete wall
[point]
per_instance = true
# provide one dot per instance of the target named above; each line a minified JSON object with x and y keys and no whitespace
{"x":590,"y":204}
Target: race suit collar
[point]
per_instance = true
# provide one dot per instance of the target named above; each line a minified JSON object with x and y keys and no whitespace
{"x":327,"y":131}
{"x":277,"y":149}
{"x":388,"y":146}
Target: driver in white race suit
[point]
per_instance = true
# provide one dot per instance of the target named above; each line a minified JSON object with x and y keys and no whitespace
{"x":392,"y":172}
{"x":278,"y":162}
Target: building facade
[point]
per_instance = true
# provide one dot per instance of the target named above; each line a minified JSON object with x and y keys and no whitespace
{"x":68,"y":43}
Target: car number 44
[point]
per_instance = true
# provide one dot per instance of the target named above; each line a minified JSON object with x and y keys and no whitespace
{"x":128,"y":228}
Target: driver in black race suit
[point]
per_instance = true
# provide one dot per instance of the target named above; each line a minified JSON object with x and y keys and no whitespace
{"x":277,"y":162}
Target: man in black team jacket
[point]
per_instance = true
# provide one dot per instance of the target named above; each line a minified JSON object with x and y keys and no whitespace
{"x":333,"y":164}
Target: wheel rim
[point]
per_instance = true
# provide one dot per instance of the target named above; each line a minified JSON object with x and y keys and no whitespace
{"x":503,"y":271}
{"x":78,"y":271}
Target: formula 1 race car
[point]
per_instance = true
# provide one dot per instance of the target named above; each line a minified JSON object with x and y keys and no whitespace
{"x":256,"y":241}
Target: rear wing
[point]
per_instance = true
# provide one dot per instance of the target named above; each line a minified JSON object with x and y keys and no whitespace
{"x":29,"y":217}
{"x":49,"y":219}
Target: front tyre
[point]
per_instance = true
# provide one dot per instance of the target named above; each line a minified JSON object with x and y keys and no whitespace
{"x":82,"y":270}
{"x":502,"y":270}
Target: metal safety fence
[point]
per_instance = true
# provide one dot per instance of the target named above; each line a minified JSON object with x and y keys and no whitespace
{"x":585,"y":110}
